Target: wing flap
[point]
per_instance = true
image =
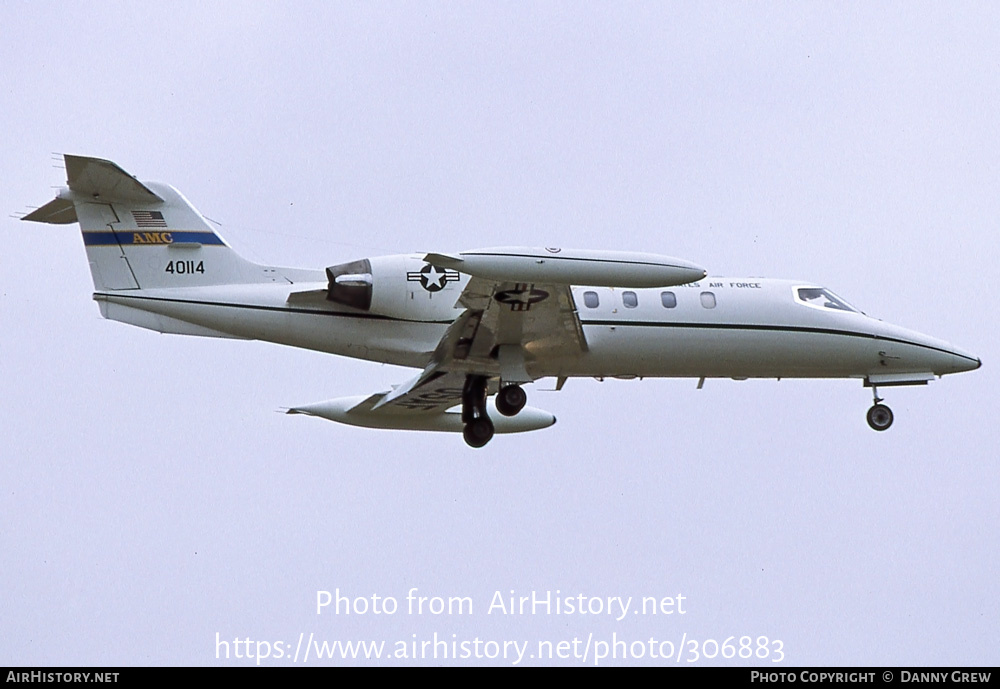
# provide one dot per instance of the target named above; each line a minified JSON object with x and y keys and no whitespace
{"x":540,"y":318}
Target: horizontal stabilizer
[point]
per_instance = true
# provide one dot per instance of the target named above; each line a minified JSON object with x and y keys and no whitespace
{"x":106,"y":181}
{"x":58,"y":211}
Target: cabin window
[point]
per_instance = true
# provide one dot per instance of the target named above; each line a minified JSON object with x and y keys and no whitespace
{"x":708,"y":300}
{"x":590,"y":300}
{"x":630,"y":300}
{"x":668,"y":299}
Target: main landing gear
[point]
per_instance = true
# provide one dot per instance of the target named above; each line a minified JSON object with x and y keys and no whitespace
{"x":879,"y":416}
{"x":479,"y":428}
{"x":511,"y":399}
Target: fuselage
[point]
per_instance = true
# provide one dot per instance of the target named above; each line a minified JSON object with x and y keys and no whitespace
{"x":478,"y":324}
{"x":716,"y":327}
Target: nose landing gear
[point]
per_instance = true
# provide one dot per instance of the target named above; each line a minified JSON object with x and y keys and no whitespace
{"x":879,"y":416}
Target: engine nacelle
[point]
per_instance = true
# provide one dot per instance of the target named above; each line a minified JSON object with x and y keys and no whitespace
{"x":401,"y":286}
{"x":351,"y":284}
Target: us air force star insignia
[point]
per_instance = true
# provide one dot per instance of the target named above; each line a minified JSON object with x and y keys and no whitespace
{"x":521,"y":297}
{"x":432,"y":278}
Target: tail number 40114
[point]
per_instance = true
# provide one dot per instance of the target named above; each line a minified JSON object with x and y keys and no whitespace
{"x":185,"y":267}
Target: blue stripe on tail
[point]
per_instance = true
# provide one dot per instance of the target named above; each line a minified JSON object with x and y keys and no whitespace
{"x":151,"y":238}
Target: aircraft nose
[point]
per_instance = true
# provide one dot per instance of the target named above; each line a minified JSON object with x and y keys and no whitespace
{"x":958,"y":360}
{"x":964,"y":361}
{"x":901,"y":348}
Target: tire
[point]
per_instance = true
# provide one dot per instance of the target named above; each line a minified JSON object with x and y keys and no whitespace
{"x":478,"y":432}
{"x":880,"y":417}
{"x":511,"y":399}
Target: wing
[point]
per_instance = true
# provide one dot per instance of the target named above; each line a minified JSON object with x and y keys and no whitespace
{"x":519,"y":323}
{"x":409,"y":405}
{"x":522,"y":322}
{"x":421,"y":404}
{"x":504,"y":330}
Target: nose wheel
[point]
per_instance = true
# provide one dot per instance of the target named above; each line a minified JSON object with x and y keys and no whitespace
{"x":879,"y":416}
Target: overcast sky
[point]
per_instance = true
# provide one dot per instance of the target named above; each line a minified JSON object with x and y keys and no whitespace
{"x":152,"y":497}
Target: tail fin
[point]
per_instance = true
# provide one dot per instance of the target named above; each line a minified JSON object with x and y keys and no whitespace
{"x":143,"y":235}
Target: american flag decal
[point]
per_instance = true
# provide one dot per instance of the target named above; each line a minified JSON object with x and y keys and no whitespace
{"x":149,"y":219}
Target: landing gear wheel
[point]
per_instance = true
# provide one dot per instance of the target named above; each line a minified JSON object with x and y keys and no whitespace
{"x":511,"y":399}
{"x":478,"y":432}
{"x":879,"y":417}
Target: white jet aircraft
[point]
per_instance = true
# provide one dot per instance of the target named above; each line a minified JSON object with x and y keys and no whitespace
{"x":477,"y":324}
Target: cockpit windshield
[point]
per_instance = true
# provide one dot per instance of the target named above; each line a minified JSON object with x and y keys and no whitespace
{"x":822,"y":298}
